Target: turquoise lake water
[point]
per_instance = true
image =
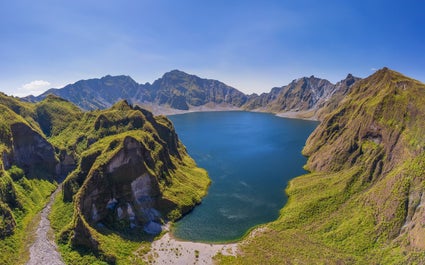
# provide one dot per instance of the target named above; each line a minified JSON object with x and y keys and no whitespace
{"x":249,"y":157}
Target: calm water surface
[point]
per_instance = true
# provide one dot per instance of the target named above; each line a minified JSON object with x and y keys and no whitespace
{"x":250,"y":157}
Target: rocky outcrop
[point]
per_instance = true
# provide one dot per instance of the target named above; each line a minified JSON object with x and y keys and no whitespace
{"x":32,"y":152}
{"x":129,"y":171}
{"x":122,"y":193}
{"x":133,"y":175}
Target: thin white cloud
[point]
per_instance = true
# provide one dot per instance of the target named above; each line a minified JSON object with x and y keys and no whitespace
{"x":35,"y":88}
{"x":36,"y":84}
{"x":373,"y":69}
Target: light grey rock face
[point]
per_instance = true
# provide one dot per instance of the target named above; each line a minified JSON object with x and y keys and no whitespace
{"x":142,"y":188}
{"x":125,"y":194}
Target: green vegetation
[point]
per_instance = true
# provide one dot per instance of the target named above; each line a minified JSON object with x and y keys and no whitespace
{"x":29,"y":197}
{"x":124,"y":151}
{"x":114,"y":148}
{"x":128,"y":250}
{"x":23,"y":188}
{"x":360,"y":204}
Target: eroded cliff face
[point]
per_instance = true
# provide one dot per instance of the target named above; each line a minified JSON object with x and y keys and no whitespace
{"x":133,"y":176}
{"x":123,"y":194}
{"x":32,"y":152}
{"x":129,"y":172}
{"x":24,"y":154}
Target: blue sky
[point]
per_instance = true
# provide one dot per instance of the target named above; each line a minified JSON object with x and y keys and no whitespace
{"x":251,"y":45}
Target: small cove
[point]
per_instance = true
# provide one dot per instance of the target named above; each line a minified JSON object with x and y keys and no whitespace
{"x":250,"y":157}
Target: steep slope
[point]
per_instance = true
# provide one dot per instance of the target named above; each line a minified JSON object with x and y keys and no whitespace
{"x":304,"y":96}
{"x":133,"y":174}
{"x":129,"y":174}
{"x":22,"y":142}
{"x":28,"y":166}
{"x":362,"y":203}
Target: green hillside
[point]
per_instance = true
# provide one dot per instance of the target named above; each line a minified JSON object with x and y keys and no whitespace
{"x":123,"y":161}
{"x":362,"y":203}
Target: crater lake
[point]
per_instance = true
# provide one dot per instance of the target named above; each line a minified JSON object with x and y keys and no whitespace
{"x":250,"y":157}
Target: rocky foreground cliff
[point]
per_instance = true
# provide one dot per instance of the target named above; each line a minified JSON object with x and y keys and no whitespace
{"x":363,"y":202}
{"x":126,"y":173}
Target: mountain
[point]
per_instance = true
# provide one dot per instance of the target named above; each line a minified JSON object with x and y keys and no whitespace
{"x":181,"y":91}
{"x":363,"y":201}
{"x":303,"y":96}
{"x":94,"y":93}
{"x":125,"y":170}
{"x":177,"y":90}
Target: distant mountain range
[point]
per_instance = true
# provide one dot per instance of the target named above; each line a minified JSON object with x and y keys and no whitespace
{"x":362,"y":201}
{"x":177,"y":90}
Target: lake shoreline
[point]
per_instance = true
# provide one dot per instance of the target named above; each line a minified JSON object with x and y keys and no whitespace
{"x":236,"y":148}
{"x":160,"y":110}
{"x":176,"y":247}
{"x":169,"y":250}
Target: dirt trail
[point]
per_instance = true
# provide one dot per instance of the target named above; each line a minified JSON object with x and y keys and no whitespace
{"x":44,"y":250}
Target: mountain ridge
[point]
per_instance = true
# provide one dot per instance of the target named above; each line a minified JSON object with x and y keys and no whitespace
{"x":179,"y":91}
{"x":362,"y":200}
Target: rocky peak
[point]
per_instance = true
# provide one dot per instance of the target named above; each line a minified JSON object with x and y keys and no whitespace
{"x":176,"y":74}
{"x":122,"y":105}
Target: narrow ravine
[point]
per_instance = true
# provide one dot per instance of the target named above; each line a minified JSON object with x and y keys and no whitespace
{"x":44,"y":249}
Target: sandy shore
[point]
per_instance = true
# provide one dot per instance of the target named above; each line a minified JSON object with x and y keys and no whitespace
{"x":163,"y":110}
{"x":302,"y":115}
{"x":168,"y":250}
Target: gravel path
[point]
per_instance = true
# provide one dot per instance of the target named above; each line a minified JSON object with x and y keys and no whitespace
{"x":44,"y":250}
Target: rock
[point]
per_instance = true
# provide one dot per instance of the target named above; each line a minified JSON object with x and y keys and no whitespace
{"x":33,"y":153}
{"x":153,"y":228}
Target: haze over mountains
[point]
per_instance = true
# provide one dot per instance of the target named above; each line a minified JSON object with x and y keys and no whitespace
{"x":181,"y":91}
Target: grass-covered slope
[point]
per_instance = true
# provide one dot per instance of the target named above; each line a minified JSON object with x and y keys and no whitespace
{"x":363,"y":201}
{"x":132,"y":174}
{"x":27,"y":172}
{"x":129,"y":173}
